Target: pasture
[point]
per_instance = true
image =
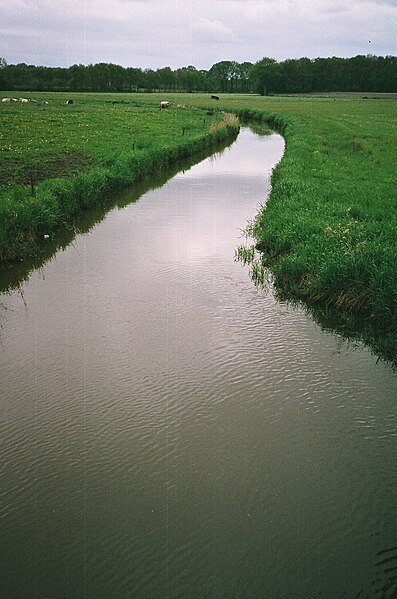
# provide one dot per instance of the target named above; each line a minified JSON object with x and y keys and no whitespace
{"x":40,"y":141}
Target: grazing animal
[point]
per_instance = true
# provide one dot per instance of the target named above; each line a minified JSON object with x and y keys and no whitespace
{"x":7,"y":100}
{"x":214,"y":97}
{"x":24,"y":100}
{"x":164,"y":105}
{"x":69,"y":101}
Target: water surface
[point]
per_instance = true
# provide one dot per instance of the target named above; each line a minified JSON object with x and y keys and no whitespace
{"x":170,"y":431}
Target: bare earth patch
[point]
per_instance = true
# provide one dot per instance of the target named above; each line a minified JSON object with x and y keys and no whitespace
{"x":14,"y":171}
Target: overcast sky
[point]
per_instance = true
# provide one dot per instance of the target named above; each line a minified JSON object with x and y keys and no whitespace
{"x":176,"y":33}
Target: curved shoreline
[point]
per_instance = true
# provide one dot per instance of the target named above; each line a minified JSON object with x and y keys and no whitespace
{"x":320,"y":250}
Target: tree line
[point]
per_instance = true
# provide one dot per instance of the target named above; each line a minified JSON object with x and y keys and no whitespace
{"x":225,"y":76}
{"x":358,"y":74}
{"x":267,"y":76}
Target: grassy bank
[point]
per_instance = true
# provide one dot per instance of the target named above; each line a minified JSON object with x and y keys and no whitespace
{"x":328,"y":231}
{"x":57,"y":160}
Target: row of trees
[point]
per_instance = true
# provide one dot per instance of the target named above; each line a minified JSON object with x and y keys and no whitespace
{"x":267,"y":76}
{"x":360,"y":73}
{"x":225,"y":76}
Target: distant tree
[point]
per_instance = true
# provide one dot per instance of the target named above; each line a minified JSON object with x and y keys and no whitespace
{"x":188,"y":79}
{"x":243,"y":82}
{"x":150,"y":80}
{"x":78,"y":78}
{"x":166,"y":78}
{"x":117,"y":78}
{"x":263,"y":76}
{"x":224,"y":75}
{"x":304,"y":70}
{"x":103,"y":76}
{"x":386,"y":68}
{"x":134,"y":79}
{"x":204,"y":80}
{"x":3,"y":64}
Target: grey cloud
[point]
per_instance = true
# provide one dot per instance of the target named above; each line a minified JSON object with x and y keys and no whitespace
{"x":209,"y":29}
{"x":392,"y":3}
{"x":152,"y":33}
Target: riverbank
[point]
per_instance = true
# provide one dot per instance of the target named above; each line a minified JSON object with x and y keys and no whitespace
{"x":58,"y":160}
{"x":328,"y":231}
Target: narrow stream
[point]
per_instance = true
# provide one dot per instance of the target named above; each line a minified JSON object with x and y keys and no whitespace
{"x":170,"y":431}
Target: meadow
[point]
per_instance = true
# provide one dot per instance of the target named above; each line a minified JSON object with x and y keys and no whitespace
{"x":327,"y":234}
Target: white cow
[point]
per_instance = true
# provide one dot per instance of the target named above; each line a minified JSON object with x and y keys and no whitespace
{"x":164,"y":105}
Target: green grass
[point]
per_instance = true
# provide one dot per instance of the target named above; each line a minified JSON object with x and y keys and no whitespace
{"x":328,"y":231}
{"x":56,"y":139}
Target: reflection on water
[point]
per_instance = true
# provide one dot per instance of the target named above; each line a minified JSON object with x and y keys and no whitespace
{"x":169,"y":430}
{"x":15,"y":273}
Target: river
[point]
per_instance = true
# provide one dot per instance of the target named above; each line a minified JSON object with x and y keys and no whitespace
{"x":168,"y":430}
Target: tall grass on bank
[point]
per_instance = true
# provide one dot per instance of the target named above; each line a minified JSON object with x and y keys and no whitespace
{"x":28,"y":213}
